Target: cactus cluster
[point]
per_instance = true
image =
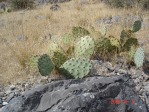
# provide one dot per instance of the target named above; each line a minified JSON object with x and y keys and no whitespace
{"x":84,"y":47}
{"x":81,"y":47}
{"x":127,"y":36}
{"x":76,"y":67}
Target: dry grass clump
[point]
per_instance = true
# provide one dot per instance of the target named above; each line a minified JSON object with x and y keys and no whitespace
{"x":38,"y":23}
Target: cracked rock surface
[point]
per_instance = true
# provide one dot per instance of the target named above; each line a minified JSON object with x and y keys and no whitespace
{"x":91,"y":94}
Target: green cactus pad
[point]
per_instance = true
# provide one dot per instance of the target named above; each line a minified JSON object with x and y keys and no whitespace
{"x":79,"y":32}
{"x":67,"y":38}
{"x":139,"y":57}
{"x":114,"y":41}
{"x":45,"y":65}
{"x":76,"y":67}
{"x":125,"y":35}
{"x":53,"y":47}
{"x":136,"y":26}
{"x":58,"y":59}
{"x":103,"y":30}
{"x":104,"y":44}
{"x":132,"y":51}
{"x":33,"y":62}
{"x":84,"y":47}
{"x":130,"y":42}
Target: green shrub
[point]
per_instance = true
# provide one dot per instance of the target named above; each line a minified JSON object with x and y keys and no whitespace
{"x":22,"y":4}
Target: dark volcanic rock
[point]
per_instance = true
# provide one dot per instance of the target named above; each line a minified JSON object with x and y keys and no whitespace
{"x":92,"y":94}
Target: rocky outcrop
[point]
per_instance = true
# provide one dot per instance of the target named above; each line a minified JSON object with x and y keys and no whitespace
{"x":91,"y":94}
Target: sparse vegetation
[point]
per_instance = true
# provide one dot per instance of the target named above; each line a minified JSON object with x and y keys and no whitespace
{"x":144,"y":4}
{"x":22,"y":4}
{"x":35,"y":24}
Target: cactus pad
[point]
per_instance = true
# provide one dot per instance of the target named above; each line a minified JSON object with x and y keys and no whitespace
{"x":103,"y":30}
{"x":67,"y":38}
{"x":79,"y":32}
{"x":125,"y":35}
{"x":45,"y":65}
{"x":136,"y":26}
{"x":131,"y":53}
{"x":114,"y":41}
{"x":139,"y":57}
{"x":76,"y":67}
{"x":58,"y":59}
{"x":130,"y":42}
{"x":53,"y":47}
{"x":104,"y":44}
{"x":84,"y":47}
{"x":33,"y":62}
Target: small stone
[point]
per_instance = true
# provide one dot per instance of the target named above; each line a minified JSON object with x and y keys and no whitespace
{"x":137,"y":81}
{"x":1,"y":101}
{"x":5,"y":103}
{"x":138,"y":88}
{"x":21,"y":38}
{"x":147,"y":93}
{"x":12,"y":87}
{"x":49,"y":80}
{"x":140,"y":77}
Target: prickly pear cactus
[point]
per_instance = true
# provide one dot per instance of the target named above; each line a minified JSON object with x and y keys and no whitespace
{"x":45,"y":65}
{"x":139,"y":57}
{"x":114,"y":41}
{"x":104,"y":44}
{"x":125,"y":35}
{"x":103,"y":30}
{"x":79,"y":32}
{"x":70,"y":51}
{"x":58,"y":59}
{"x":33,"y":62}
{"x":136,"y":26}
{"x":130,"y":54}
{"x":54,"y":47}
{"x":67,"y":38}
{"x":76,"y":67}
{"x":84,"y":47}
{"x":130,"y":42}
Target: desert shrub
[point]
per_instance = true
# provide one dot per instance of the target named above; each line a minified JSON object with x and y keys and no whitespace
{"x":144,"y":4}
{"x":22,"y":4}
